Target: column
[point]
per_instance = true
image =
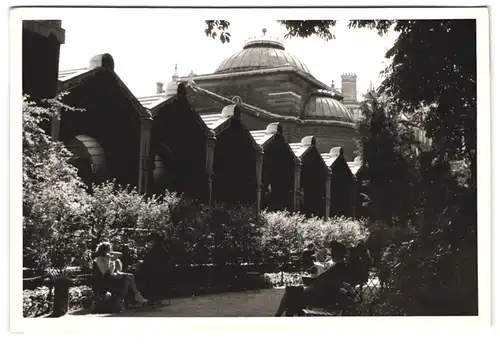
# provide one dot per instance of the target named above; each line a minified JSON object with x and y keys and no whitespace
{"x":296,"y":188}
{"x":146,"y":126}
{"x":328,"y":190}
{"x":259,"y":160}
{"x":210,"y":148}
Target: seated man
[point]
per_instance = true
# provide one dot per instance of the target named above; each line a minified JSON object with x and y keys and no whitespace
{"x":324,"y":289}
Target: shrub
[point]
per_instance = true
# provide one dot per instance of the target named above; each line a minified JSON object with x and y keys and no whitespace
{"x":284,"y":233}
{"x":37,"y":302}
{"x":55,"y":201}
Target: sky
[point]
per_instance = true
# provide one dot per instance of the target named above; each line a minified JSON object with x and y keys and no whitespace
{"x":146,"y":45}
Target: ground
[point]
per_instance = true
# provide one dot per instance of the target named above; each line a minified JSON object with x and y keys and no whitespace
{"x":238,"y":304}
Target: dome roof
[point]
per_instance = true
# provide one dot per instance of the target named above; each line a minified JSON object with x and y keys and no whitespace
{"x":261,"y":53}
{"x":322,"y":104}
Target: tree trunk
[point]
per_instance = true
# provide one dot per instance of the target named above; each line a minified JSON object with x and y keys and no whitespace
{"x":61,"y":297}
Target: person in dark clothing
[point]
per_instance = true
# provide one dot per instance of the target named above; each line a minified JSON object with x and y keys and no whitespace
{"x":324,"y":289}
{"x":359,"y":264}
{"x":154,"y":270}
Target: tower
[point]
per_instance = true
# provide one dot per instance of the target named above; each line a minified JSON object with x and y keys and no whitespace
{"x":349,"y":88}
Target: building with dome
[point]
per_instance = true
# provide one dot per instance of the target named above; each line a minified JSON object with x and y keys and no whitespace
{"x":274,"y":85}
{"x":260,"y":130}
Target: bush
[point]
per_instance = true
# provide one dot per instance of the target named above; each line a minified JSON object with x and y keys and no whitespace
{"x":37,"y":302}
{"x":284,"y":233}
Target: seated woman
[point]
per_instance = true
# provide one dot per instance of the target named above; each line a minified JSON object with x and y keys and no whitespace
{"x":314,"y":266}
{"x":325,"y":287}
{"x":109,"y":270}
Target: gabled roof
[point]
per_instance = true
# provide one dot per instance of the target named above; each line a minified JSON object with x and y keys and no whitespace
{"x":72,"y":78}
{"x":307,"y":144}
{"x":218,"y":122}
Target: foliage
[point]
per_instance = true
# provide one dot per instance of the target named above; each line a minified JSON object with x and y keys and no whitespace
{"x":306,"y":28}
{"x":37,"y":302}
{"x":433,"y":73}
{"x":55,"y":202}
{"x":387,"y":176}
{"x":113,"y":207}
{"x":218,"y":28}
{"x":303,"y":28}
{"x":284,"y":233}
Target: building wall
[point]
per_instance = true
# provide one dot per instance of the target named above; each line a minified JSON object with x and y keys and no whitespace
{"x":280,"y":93}
{"x":40,"y":58}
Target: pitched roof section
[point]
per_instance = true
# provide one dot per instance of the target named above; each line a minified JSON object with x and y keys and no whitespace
{"x":261,"y":136}
{"x":72,"y":78}
{"x":353,"y":166}
{"x":302,"y":74}
{"x":150,"y":102}
{"x":258,"y":112}
{"x":70,"y":73}
{"x":214,"y":121}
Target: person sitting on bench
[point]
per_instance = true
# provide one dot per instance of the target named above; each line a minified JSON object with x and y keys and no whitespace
{"x":110,"y":268}
{"x":154,"y":272}
{"x":314,"y":266}
{"x":323,"y":289}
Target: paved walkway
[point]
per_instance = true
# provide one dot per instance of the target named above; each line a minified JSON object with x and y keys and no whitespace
{"x":240,"y":304}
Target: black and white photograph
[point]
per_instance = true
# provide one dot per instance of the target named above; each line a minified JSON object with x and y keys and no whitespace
{"x":325,"y":165}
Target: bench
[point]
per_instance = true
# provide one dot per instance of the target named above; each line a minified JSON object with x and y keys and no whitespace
{"x":336,"y":309}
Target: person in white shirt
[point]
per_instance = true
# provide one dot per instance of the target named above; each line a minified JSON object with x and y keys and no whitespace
{"x":108,"y":263}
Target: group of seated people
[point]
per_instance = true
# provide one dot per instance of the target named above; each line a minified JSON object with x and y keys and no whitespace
{"x":112,"y":279}
{"x":324,"y":278}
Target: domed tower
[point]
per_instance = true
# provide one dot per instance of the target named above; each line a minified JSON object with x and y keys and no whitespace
{"x":323,"y":105}
{"x":262,"y":52}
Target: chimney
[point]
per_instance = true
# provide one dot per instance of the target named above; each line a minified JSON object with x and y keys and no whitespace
{"x":159,"y":87}
{"x":349,"y":87}
{"x":41,"y":46}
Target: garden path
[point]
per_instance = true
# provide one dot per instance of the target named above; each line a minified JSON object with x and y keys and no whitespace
{"x":237,"y":304}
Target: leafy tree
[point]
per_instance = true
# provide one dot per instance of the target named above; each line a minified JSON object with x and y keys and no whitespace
{"x":55,"y":202}
{"x":387,"y":176}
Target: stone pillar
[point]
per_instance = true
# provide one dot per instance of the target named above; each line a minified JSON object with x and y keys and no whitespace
{"x":210,"y":148}
{"x":259,"y":160}
{"x":144,"y":149}
{"x":296,"y":188}
{"x":328,"y":186}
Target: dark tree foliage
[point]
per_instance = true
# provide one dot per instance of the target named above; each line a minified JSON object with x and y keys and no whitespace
{"x":218,"y":28}
{"x":387,"y":177}
{"x":433,"y":75}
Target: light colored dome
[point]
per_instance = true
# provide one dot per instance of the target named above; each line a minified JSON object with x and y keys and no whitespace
{"x":261,"y":53}
{"x":321,"y":104}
